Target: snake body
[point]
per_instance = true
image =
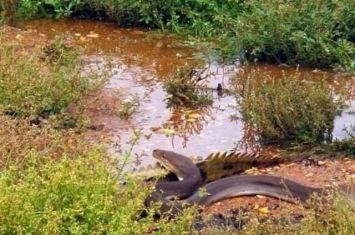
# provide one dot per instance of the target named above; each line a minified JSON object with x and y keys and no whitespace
{"x":234,"y":186}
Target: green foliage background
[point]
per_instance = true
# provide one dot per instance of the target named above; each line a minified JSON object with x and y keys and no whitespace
{"x":310,"y":33}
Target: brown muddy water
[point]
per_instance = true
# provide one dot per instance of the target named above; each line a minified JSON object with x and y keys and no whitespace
{"x":142,"y":60}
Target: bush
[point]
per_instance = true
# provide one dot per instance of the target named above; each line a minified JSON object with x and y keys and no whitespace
{"x":186,"y":87}
{"x":309,"y":33}
{"x":346,"y":145}
{"x":53,"y":182}
{"x":45,"y":82}
{"x":206,"y":17}
{"x":287,"y":108}
{"x":47,"y":8}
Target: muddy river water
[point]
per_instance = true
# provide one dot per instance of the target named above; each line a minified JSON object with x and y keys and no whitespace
{"x":143,"y":59}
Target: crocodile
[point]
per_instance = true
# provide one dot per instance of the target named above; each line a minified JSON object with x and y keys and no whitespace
{"x":219,"y":165}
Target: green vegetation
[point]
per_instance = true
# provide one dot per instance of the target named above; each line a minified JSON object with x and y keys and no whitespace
{"x":52,"y":77}
{"x":346,"y":145}
{"x":287,"y":108}
{"x":52,"y":180}
{"x":186,"y":88}
{"x":202,"y":17}
{"x":129,"y":107}
{"x":54,"y":183}
{"x":310,"y":33}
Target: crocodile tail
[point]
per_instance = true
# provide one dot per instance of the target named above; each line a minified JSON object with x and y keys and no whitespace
{"x":224,"y":164}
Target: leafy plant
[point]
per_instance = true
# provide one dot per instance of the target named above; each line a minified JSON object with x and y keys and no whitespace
{"x":183,"y":88}
{"x":48,"y":8}
{"x":346,"y":145}
{"x":309,"y":33}
{"x":53,"y":182}
{"x":30,"y":86}
{"x":287,"y":108}
{"x":129,"y":107}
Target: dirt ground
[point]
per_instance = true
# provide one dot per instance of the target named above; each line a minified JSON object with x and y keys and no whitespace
{"x":328,"y":172}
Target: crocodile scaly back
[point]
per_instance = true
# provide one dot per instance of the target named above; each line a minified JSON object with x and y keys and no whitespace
{"x":220,"y":165}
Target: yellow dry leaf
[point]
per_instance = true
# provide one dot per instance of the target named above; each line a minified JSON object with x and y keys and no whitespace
{"x":92,"y":35}
{"x":82,"y":39}
{"x":251,"y":170}
{"x":18,"y":36}
{"x":263,"y":210}
{"x":193,"y":115}
{"x":190,"y":120}
{"x":167,"y":131}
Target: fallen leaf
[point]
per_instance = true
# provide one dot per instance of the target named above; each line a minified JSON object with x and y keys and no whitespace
{"x":92,"y":35}
{"x":167,"y":131}
{"x":155,"y":128}
{"x":263,"y":210}
{"x":251,"y":170}
{"x":82,"y":39}
{"x":193,"y":115}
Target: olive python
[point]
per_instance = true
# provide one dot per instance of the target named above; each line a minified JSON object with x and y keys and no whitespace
{"x":186,"y":190}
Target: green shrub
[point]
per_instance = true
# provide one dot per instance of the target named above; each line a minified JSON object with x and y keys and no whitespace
{"x":45,"y":82}
{"x":53,"y":182}
{"x":346,"y":145}
{"x":203,"y":18}
{"x":47,"y":8}
{"x":73,"y":195}
{"x":185,"y":88}
{"x":309,"y":33}
{"x":287,"y":108}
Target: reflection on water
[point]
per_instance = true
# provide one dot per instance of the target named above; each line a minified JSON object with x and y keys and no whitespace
{"x":143,"y":60}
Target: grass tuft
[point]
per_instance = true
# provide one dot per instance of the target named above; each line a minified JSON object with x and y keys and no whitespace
{"x":287,"y":108}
